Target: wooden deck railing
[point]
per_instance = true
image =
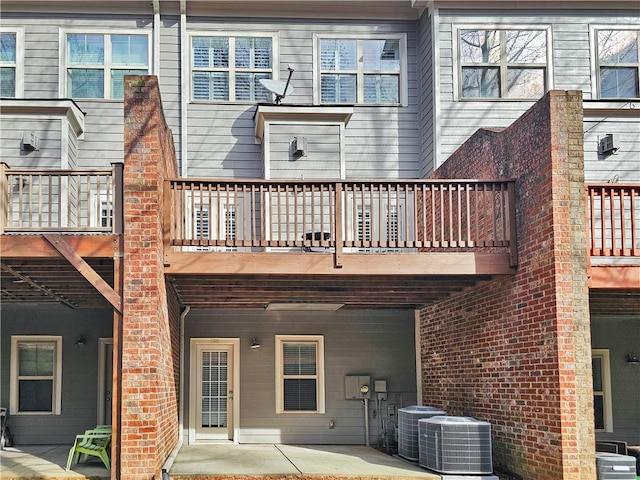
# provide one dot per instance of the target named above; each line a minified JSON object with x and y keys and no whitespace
{"x":344,"y":217}
{"x":85,"y":201}
{"x":613,"y":219}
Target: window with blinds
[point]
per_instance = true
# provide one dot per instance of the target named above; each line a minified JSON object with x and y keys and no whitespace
{"x":96,"y":64}
{"x":8,"y":63}
{"x":361,"y":70}
{"x":229,"y":68}
{"x":300,"y":374}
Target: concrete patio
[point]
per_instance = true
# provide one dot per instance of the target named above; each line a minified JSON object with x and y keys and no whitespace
{"x":227,"y":461}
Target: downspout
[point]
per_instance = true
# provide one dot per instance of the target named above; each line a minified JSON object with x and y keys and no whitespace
{"x":184,"y":87}
{"x":169,"y":462}
{"x":156,"y":38}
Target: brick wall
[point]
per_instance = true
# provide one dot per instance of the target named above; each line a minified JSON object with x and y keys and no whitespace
{"x":150,"y":350}
{"x":516,"y":350}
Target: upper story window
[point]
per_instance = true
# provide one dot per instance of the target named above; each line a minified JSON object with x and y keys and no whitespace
{"x":97,"y":63}
{"x":229,"y":68}
{"x":36,"y":374}
{"x":367,"y":70}
{"x":618,"y":68}
{"x":10,"y":63}
{"x":509,"y":64}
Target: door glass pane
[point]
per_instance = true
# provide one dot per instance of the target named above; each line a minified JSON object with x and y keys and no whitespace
{"x":214,"y":387}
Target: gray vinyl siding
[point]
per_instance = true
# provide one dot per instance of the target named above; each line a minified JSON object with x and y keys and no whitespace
{"x":380,"y":141}
{"x":624,"y":165}
{"x":323,"y":152}
{"x":103,"y":141}
{"x":169,"y":76}
{"x":79,"y":368}
{"x":72,"y":148}
{"x":48,"y":131}
{"x":379,"y":343}
{"x":620,"y":335}
{"x":427,"y":113}
{"x":571,"y":58}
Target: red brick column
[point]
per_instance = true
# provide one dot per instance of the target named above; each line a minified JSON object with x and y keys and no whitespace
{"x":150,"y":355}
{"x":516,"y":351}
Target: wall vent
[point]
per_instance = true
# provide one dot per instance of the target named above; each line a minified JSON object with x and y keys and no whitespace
{"x":30,"y":141}
{"x":607,"y":145}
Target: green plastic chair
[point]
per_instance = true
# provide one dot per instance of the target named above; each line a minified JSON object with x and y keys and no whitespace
{"x":93,"y":443}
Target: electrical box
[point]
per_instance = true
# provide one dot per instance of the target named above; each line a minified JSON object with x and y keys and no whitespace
{"x":30,"y":141}
{"x":298,"y":147}
{"x":357,"y":387}
{"x":607,"y":145}
{"x":380,"y":387}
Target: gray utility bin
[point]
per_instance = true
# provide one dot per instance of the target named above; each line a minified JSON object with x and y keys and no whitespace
{"x":612,"y":466}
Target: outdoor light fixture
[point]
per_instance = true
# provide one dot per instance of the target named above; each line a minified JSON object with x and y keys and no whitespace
{"x":81,"y":341}
{"x":632,"y":358}
{"x":254,"y":343}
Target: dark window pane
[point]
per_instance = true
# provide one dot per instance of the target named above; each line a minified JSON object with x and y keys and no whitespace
{"x":7,"y":82}
{"x":596,"y":367}
{"x":381,"y":88}
{"x":525,"y":82}
{"x":300,"y":395}
{"x":7,"y":48}
{"x":618,"y":82}
{"x":36,"y":358}
{"x":338,"y":88}
{"x":35,"y":395}
{"x":480,"y":46}
{"x":598,"y":410}
{"x":299,"y":359}
{"x":480,"y":82}
{"x":85,"y":83}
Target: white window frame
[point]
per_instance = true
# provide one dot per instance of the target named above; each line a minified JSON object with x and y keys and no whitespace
{"x":223,"y":217}
{"x":603,"y":354}
{"x":595,"y":60}
{"x":318,"y":340}
{"x":19,"y":63}
{"x":57,"y":375}
{"x":106,"y":66}
{"x":457,"y":60}
{"x":403,"y":81}
{"x":231,"y":35}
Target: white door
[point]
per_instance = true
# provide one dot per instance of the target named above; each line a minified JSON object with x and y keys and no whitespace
{"x":213,"y":403}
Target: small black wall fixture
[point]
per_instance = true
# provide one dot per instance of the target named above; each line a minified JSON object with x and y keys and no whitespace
{"x":632,"y":358}
{"x":254,"y":343}
{"x":81,"y":341}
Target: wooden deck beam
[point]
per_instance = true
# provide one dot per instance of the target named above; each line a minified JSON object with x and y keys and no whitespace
{"x":293,"y":263}
{"x":35,"y":246}
{"x":614,"y":277}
